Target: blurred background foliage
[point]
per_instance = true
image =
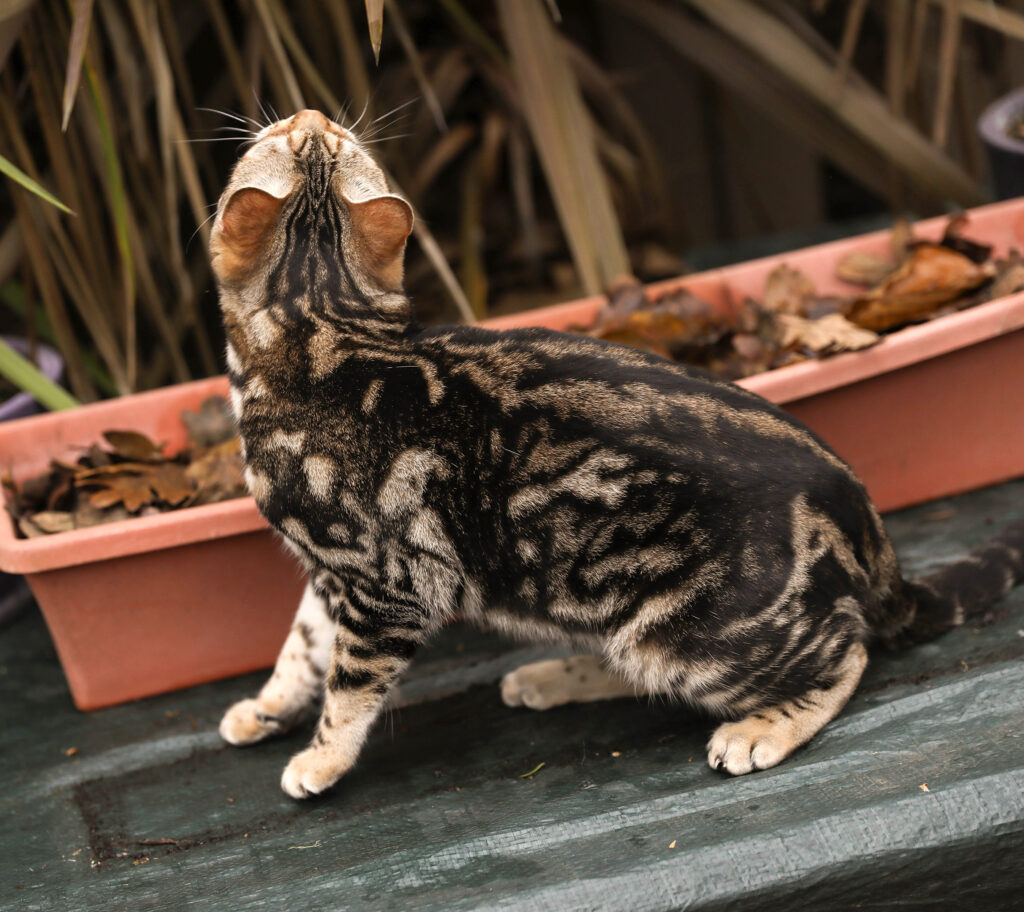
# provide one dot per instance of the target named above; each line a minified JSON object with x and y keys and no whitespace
{"x":548,"y":147}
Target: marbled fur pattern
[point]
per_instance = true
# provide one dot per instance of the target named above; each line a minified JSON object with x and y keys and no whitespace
{"x":702,"y":542}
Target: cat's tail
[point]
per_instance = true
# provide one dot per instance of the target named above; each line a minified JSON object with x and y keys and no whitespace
{"x":962,"y":590}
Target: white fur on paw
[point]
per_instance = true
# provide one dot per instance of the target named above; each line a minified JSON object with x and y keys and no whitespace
{"x":310,"y":772}
{"x":534,"y":686}
{"x":751,"y":744}
{"x":245,"y":723}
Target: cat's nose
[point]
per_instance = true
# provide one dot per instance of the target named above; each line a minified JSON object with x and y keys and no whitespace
{"x":312,"y":123}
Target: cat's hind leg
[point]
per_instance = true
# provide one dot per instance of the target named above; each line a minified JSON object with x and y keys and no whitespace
{"x":296,"y":683}
{"x":769,"y":735}
{"x":580,"y":679}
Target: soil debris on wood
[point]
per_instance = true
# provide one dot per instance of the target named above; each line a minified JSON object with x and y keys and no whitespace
{"x":132,"y":476}
{"x":793,"y":321}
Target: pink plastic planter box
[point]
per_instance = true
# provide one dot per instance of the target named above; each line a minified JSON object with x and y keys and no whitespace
{"x":157,"y":603}
{"x":153,"y":604}
{"x":932,"y":410}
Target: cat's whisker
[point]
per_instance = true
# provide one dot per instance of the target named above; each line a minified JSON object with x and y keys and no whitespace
{"x":199,"y":228}
{"x":394,"y":110}
{"x":362,"y":114}
{"x":215,"y":139}
{"x":372,"y":130}
{"x":383,"y":139}
{"x":263,"y":110}
{"x":241,"y":118}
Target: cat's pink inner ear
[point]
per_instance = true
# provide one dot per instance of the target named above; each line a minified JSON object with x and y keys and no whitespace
{"x":382,"y":224}
{"x":248,"y":216}
{"x":246,"y":226}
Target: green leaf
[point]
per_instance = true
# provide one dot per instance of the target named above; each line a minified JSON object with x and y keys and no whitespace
{"x":20,"y":177}
{"x":26,"y":376}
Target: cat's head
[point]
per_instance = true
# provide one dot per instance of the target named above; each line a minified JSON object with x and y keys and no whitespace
{"x":306,"y":214}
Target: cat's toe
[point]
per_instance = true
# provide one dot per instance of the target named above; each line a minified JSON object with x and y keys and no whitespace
{"x":245,"y":723}
{"x":742,"y":747}
{"x":309,"y":773}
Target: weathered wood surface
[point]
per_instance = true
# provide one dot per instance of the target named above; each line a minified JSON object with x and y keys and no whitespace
{"x":153,"y":812}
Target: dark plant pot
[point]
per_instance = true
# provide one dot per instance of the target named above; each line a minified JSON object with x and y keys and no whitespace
{"x":1005,"y":152}
{"x":14,"y":593}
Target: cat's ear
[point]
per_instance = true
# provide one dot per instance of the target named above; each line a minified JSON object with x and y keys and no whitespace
{"x":381,"y":225}
{"x":245,"y":228}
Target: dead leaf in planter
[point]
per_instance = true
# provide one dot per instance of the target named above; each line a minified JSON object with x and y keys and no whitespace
{"x":133,"y":447}
{"x":51,"y":521}
{"x":211,"y":425}
{"x":787,"y":291}
{"x":863,"y":268}
{"x":954,"y":240}
{"x":217,"y":473}
{"x":831,"y":334}
{"x":932,"y":275}
{"x":676,"y":320}
{"x":137,"y":485}
{"x":1009,"y":279}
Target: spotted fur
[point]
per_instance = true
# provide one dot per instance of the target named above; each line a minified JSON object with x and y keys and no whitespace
{"x":703,"y":543}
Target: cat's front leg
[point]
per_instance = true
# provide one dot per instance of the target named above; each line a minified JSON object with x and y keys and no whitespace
{"x":363,"y":670}
{"x":296,"y":682}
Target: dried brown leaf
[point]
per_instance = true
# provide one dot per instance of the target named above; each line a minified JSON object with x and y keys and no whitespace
{"x":933,"y":275}
{"x":830,"y":334}
{"x":212,"y":424}
{"x":787,"y":290}
{"x":863,"y":268}
{"x":217,"y":473}
{"x":133,"y":446}
{"x":51,"y":521}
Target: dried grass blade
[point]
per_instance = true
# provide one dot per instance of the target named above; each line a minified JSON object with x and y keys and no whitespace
{"x":119,"y":212}
{"x":13,"y":16}
{"x":298,"y":52}
{"x":996,"y":17}
{"x":895,"y":49}
{"x":412,"y":54}
{"x":284,"y":67}
{"x":858,"y":107}
{"x":76,"y":54}
{"x":357,"y":80}
{"x":851,"y":34}
{"x":559,"y":125}
{"x":53,"y":302}
{"x":229,"y":48}
{"x":751,"y":79}
{"x":375,"y":23}
{"x":949,"y":52}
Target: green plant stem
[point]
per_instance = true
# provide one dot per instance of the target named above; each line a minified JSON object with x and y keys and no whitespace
{"x":25,"y":375}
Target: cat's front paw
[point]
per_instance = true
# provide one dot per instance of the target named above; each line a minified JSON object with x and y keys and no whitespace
{"x":246,"y":723}
{"x":310,"y":772}
{"x":748,"y":745}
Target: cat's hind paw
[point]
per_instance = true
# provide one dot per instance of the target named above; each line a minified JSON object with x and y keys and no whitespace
{"x":311,"y":772}
{"x":537,"y":686}
{"x":246,"y":723}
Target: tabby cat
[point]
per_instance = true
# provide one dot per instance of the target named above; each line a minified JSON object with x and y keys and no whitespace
{"x":692,"y":538}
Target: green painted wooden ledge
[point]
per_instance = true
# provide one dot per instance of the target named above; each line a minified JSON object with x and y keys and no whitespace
{"x":914,"y":797}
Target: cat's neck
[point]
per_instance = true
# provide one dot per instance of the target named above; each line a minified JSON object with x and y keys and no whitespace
{"x":284,"y":337}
